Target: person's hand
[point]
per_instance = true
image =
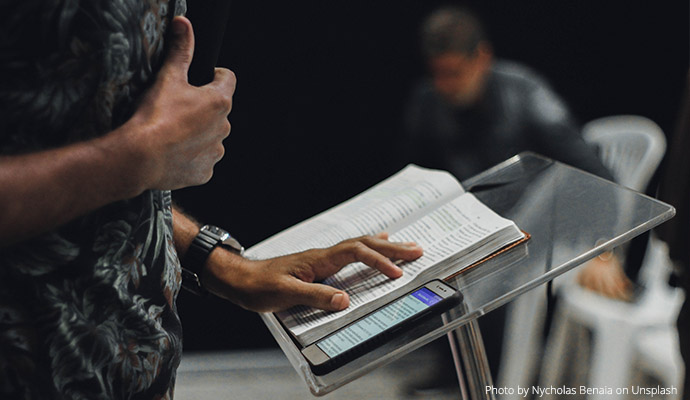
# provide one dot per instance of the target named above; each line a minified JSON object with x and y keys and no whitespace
{"x":604,"y":275}
{"x":178,"y":128}
{"x":280,"y":283}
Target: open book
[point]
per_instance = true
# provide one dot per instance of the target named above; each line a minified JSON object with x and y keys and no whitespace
{"x":420,"y":205}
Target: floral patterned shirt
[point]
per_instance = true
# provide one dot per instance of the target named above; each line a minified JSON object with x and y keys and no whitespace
{"x":86,"y":311}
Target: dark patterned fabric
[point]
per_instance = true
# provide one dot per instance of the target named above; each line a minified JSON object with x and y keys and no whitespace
{"x":87,"y":311}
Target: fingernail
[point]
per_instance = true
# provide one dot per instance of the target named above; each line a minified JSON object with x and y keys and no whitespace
{"x":396,"y":268}
{"x":337,"y":301}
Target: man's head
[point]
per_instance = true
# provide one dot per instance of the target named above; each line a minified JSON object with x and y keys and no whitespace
{"x":458,"y":53}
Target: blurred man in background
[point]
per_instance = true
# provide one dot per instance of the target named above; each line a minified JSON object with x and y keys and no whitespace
{"x":475,"y":110}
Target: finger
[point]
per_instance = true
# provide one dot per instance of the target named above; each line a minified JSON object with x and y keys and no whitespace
{"x":321,"y":296}
{"x":617,"y":292}
{"x":221,"y":129}
{"x":599,"y":285}
{"x":587,"y":279}
{"x":397,"y":251}
{"x":181,"y":47}
{"x":622,"y":287}
{"x":356,"y":251}
{"x":586,"y":283}
{"x":224,"y":80}
{"x":221,"y":90}
{"x":384,"y":236}
{"x":219,"y":153}
{"x":582,"y":277}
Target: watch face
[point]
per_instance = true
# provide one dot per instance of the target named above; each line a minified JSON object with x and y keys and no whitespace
{"x":224,"y":238}
{"x":232,"y":243}
{"x":216,"y":231}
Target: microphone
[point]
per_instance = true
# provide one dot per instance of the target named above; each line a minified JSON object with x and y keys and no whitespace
{"x":209,"y":18}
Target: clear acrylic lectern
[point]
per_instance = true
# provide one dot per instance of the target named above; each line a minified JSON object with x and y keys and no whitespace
{"x":571,"y":215}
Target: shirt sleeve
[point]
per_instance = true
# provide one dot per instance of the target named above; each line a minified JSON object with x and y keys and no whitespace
{"x":558,"y":135}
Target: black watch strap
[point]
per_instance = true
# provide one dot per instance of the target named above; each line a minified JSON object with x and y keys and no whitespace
{"x":200,"y":248}
{"x":208,"y":238}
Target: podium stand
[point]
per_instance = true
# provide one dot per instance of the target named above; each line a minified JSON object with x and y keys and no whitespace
{"x":572,"y":216}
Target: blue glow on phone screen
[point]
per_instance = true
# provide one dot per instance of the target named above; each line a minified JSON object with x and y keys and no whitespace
{"x":379,"y":321}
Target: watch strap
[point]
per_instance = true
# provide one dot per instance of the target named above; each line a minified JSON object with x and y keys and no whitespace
{"x":208,"y":238}
{"x":199,"y":250}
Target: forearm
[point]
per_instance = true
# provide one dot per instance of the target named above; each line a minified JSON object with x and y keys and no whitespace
{"x":185,"y":229}
{"x":43,"y":190}
{"x":561,"y":140}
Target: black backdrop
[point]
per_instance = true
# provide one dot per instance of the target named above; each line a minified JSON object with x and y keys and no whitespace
{"x":321,"y":86}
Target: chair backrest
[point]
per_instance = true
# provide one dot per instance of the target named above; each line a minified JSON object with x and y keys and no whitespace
{"x":630,"y":146}
{"x":656,"y":266}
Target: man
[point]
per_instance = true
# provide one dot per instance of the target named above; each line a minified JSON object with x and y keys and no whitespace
{"x":476,"y":111}
{"x":98,"y":125}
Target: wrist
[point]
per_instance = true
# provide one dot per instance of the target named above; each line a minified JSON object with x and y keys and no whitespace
{"x":225,"y":273}
{"x":185,"y":230}
{"x":199,"y":248}
{"x":126,"y":160}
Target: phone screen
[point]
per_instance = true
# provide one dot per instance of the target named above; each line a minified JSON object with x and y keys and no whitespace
{"x":385,"y":318}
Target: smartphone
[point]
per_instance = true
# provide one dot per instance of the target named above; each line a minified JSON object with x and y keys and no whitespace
{"x":372,"y":330}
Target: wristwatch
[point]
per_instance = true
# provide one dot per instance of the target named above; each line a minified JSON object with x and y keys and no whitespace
{"x":208,"y":238}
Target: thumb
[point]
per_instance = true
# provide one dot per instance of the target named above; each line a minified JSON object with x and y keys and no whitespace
{"x":181,"y":47}
{"x":321,"y":296}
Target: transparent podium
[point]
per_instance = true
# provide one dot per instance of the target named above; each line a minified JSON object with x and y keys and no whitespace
{"x":571,"y":215}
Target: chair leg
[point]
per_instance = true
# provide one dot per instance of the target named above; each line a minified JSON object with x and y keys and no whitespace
{"x":555,"y":349}
{"x":611,"y":360}
{"x":522,"y":342}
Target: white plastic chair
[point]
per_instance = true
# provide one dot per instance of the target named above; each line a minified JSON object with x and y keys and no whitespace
{"x":624,"y":335}
{"x":632,"y":148}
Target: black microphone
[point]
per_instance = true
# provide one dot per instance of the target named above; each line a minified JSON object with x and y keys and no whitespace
{"x":209,"y":18}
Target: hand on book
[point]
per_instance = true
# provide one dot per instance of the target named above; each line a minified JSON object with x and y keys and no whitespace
{"x":282,"y":282}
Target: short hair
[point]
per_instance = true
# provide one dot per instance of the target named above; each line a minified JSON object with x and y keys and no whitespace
{"x":451,"y":30}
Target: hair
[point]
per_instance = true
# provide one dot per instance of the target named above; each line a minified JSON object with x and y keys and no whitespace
{"x":451,"y":30}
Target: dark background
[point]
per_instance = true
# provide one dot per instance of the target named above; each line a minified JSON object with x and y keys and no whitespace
{"x":322,"y":84}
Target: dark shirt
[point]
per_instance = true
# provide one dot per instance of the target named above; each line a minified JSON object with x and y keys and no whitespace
{"x":517,"y":112}
{"x":87,"y":311}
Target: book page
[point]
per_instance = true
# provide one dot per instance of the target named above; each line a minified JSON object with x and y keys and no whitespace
{"x":455,"y":229}
{"x":387,"y":206}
